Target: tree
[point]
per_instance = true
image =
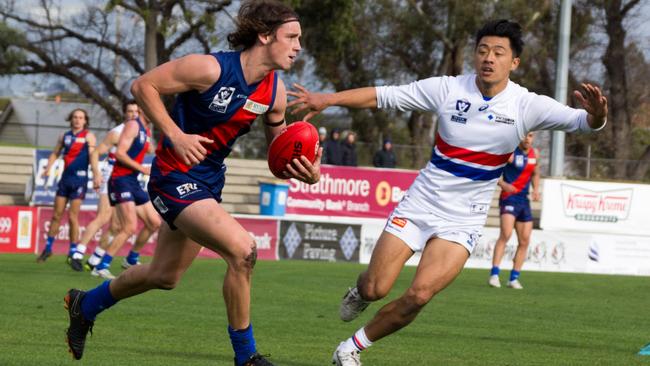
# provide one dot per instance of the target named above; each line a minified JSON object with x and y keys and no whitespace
{"x":613,"y":59}
{"x":94,"y":50}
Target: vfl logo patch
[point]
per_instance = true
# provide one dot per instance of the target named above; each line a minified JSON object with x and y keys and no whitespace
{"x":222,"y":99}
{"x":399,"y":221}
{"x":519,"y":161}
{"x":462,"y":106}
{"x":254,"y":107}
{"x":67,"y":140}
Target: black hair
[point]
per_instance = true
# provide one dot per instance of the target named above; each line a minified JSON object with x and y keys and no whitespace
{"x":127,"y":103}
{"x":503,"y":28}
{"x":259,"y":17}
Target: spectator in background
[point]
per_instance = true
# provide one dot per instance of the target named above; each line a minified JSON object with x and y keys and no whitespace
{"x":322,"y":140}
{"x":333,"y":152}
{"x":349,"y":156}
{"x":385,"y":157}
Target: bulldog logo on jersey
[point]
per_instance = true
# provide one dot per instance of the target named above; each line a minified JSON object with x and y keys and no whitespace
{"x":222,"y":99}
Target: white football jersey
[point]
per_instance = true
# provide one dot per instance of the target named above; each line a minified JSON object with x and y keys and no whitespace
{"x":107,"y":165}
{"x":474,"y":138}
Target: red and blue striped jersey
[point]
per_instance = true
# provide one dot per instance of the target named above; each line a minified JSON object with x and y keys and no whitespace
{"x":222,"y":113}
{"x":519,"y":173}
{"x":137,"y":151}
{"x":75,"y":154}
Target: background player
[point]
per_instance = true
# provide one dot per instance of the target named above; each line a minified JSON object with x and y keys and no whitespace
{"x":104,"y":209}
{"x":76,"y":146}
{"x":514,"y":206}
{"x":219,"y":97}
{"x":482,"y":119}
{"x":126,"y":194}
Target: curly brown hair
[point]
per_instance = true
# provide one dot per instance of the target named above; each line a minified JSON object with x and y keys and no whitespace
{"x":69,"y":119}
{"x":259,"y":17}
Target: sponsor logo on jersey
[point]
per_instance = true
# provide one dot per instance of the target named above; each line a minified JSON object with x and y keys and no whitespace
{"x":67,"y":140}
{"x":160,"y":205}
{"x":498,"y":118}
{"x":483,"y":107}
{"x":222,"y":99}
{"x":458,"y":119}
{"x":143,"y":137}
{"x":398,"y":221}
{"x":254,"y":107}
{"x":186,"y":189}
{"x":479,"y":208}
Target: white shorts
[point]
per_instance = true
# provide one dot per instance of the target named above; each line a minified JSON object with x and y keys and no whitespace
{"x":107,"y":169}
{"x":415,"y":225}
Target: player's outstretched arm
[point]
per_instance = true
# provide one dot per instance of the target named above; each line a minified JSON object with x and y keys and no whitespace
{"x":94,"y":160}
{"x":314,"y":103}
{"x":192,"y":72}
{"x":594,"y":102}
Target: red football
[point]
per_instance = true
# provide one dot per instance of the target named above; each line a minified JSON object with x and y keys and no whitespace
{"x":299,"y":138}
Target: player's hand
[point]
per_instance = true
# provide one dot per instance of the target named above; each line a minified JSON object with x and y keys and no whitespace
{"x":592,"y":100}
{"x":46,"y":173}
{"x":536,"y":196}
{"x":146,"y":170}
{"x":97,"y":182}
{"x":304,"y":170}
{"x":189,"y":148}
{"x":314,"y":103}
{"x":508,"y":188}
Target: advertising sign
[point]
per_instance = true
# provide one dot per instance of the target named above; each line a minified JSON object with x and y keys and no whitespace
{"x":44,"y":188}
{"x":17,"y":229}
{"x":350,"y":191}
{"x":319,"y":241}
{"x":264,"y":231}
{"x":596,"y":207}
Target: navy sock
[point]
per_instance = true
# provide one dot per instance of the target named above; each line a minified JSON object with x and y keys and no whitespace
{"x":495,"y":271}
{"x":243,"y":343}
{"x":97,"y":300}
{"x":48,"y":243}
{"x":132,"y":258}
{"x":73,"y":248}
{"x":514,"y":275}
{"x":106,"y":262}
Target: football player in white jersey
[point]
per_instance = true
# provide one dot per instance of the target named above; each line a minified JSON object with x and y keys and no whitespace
{"x":482,"y":119}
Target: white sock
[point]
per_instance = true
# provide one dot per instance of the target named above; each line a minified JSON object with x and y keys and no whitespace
{"x":96,"y":257}
{"x":79,"y":252}
{"x":358,"y":342}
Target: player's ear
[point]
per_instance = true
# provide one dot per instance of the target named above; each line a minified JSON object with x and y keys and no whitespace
{"x":515,"y":64}
{"x":265,"y":38}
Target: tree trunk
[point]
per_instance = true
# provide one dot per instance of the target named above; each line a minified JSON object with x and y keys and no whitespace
{"x":151,"y":39}
{"x":618,"y":107}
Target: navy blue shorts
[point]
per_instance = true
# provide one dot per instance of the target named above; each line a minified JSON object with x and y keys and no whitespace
{"x":171,"y":193}
{"x":126,"y":189}
{"x":520,"y":209}
{"x":72,"y":189}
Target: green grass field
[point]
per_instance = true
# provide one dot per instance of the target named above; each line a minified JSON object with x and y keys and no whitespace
{"x":559,"y":319}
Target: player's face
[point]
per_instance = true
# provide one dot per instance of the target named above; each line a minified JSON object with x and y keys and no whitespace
{"x":494,"y":60}
{"x":131,"y":112}
{"x":78,"y":120}
{"x":527,"y":142}
{"x":285,"y":46}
